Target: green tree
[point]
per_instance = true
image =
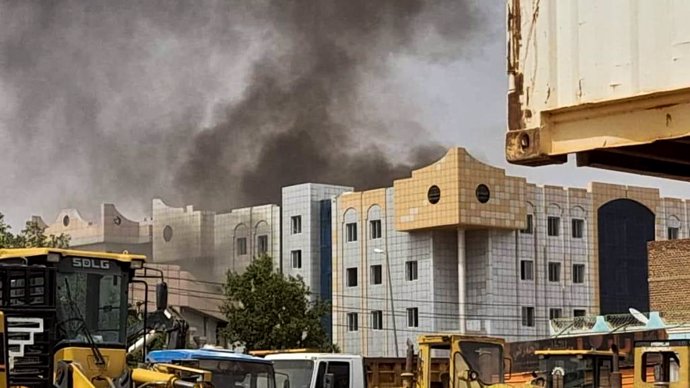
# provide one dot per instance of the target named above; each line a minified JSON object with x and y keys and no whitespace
{"x":6,"y":237}
{"x":266,"y":310}
{"x":32,"y":236}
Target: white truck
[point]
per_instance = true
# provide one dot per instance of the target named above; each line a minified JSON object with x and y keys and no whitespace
{"x":318,"y":370}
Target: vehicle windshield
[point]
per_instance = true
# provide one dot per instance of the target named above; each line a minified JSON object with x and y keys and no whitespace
{"x":573,"y":371}
{"x":297,"y":372}
{"x":238,"y":374}
{"x":484,"y":358}
{"x":97,"y":298}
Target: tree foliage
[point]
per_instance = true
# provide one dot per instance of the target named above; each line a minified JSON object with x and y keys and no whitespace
{"x":266,"y":310}
{"x":32,"y":236}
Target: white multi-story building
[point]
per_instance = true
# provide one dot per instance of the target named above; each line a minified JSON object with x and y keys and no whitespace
{"x":209,"y":244}
{"x":461,"y":246}
{"x":244,"y":234}
{"x":307,"y":234}
{"x":306,"y":237}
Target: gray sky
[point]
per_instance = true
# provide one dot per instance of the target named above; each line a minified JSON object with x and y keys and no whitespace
{"x":102,"y":104}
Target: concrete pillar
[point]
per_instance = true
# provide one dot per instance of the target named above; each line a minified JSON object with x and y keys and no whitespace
{"x":462,"y":310}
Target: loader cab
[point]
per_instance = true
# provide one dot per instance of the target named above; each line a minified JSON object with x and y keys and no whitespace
{"x":65,"y":306}
{"x":662,"y":363}
{"x":475,"y":361}
{"x":575,"y":368}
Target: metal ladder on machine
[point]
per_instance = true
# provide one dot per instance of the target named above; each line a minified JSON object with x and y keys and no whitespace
{"x":28,"y":301}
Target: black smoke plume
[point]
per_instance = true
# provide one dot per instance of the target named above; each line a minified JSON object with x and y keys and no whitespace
{"x":216,"y":103}
{"x":298,"y":120}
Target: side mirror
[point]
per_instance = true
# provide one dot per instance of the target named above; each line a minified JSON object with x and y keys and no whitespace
{"x":328,"y":380}
{"x":161,"y":296}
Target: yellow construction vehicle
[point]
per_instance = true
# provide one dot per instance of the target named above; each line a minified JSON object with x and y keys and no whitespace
{"x":64,"y":322}
{"x":656,"y":363}
{"x":582,"y":368}
{"x":443,"y":361}
{"x":474,"y":361}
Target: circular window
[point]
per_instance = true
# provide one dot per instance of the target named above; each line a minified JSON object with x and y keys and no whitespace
{"x":117,"y":220}
{"x":65,"y":220}
{"x":483,"y":194}
{"x":167,"y":233}
{"x":434,"y":194}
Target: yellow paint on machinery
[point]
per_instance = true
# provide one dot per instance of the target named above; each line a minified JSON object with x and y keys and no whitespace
{"x":115,"y":363}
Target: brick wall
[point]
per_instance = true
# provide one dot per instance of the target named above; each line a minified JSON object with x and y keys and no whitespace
{"x":669,"y":279}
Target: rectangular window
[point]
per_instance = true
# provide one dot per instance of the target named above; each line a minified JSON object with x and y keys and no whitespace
{"x":411,"y":270}
{"x":555,"y":313}
{"x":375,"y":227}
{"x":262,"y":244}
{"x":241,"y":246}
{"x":296,"y":259}
{"x":352,"y":322}
{"x":351,"y":232}
{"x":529,"y":225}
{"x":375,"y":274}
{"x":296,"y":222}
{"x":672,"y":233}
{"x":340,"y":371}
{"x":578,"y":226}
{"x":526,"y":270}
{"x":579,"y":313}
{"x":666,"y":367}
{"x":554,"y":272}
{"x":377,"y":320}
{"x":578,"y":273}
{"x":413,"y":317}
{"x":554,"y":226}
{"x":528,"y":316}
{"x":351,"y":277}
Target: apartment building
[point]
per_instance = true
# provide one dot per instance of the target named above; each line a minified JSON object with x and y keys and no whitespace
{"x":461,"y":246}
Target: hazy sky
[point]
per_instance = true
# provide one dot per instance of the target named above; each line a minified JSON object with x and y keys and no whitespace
{"x":120,"y":101}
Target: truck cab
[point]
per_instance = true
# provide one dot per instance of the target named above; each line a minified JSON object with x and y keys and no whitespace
{"x":228,"y":369}
{"x":318,"y":370}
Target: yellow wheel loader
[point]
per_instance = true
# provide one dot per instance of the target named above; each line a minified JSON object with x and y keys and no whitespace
{"x":63,"y":322}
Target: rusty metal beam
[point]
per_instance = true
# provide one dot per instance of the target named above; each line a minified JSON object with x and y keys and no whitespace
{"x":636,"y":129}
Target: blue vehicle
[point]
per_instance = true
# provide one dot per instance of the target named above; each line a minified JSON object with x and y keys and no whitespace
{"x":228,"y":369}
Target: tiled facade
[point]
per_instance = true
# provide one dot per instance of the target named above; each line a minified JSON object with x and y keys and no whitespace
{"x":183,"y":236}
{"x":244,"y":234}
{"x":210,"y":244}
{"x":305,"y":215}
{"x":492,"y":254}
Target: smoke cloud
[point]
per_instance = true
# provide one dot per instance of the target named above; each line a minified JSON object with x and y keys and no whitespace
{"x":216,"y":103}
